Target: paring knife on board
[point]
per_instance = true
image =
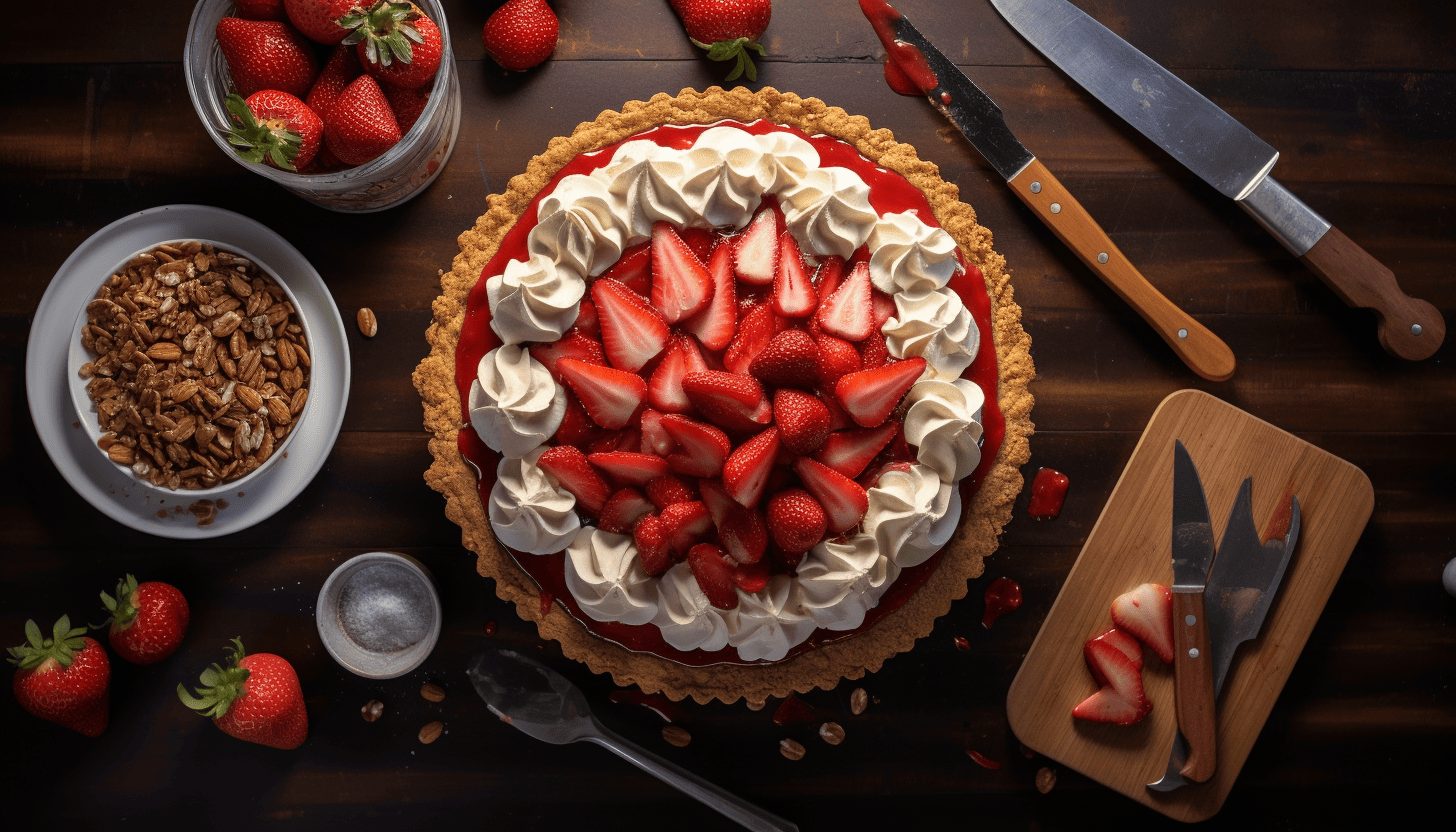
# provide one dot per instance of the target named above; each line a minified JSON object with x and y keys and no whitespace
{"x":982,"y":122}
{"x":1245,"y":576}
{"x":1192,"y":660}
{"x":1226,"y":155}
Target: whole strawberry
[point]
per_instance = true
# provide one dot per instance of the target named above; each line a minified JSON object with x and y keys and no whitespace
{"x":339,"y":72}
{"x":397,"y":43}
{"x":64,"y":678}
{"x":276,"y":128}
{"x":261,"y":9}
{"x":728,"y":29}
{"x":266,"y":55}
{"x":148,"y":619}
{"x":255,"y":698}
{"x":318,"y":19}
{"x":360,"y":125}
{"x":521,"y":34}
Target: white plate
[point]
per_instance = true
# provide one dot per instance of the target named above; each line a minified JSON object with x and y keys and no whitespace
{"x":112,"y":489}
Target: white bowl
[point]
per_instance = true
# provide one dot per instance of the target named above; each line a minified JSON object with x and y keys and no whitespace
{"x":86,"y":408}
{"x":379,"y":614}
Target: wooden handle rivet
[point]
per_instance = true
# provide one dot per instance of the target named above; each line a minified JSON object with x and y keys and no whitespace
{"x":1415,"y":329}
{"x":1102,"y":257}
{"x":1182,"y":333}
{"x":1190,"y":620}
{"x":1056,"y":207}
{"x":1193,"y":652}
{"x":1036,"y":187}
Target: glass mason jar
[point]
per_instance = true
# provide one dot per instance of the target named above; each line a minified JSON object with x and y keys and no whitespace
{"x":394,"y":177}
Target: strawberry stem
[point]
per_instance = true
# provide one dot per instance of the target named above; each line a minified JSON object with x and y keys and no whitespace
{"x":385,"y":31}
{"x":734,"y":50}
{"x":64,"y":643}
{"x":254,"y":141}
{"x":220,"y":685}
{"x":123,"y":612}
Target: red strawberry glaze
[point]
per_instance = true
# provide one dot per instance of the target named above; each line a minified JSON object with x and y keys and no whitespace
{"x":889,"y":193}
{"x":1048,"y":491}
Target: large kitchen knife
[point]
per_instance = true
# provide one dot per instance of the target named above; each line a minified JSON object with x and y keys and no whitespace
{"x":1226,"y":155}
{"x":1192,"y":660}
{"x":1241,"y":585}
{"x":982,"y":122}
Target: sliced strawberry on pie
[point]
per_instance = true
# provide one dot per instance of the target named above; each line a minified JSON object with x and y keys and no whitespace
{"x":650,"y":535}
{"x":793,"y":292}
{"x":829,"y":275}
{"x":633,"y":333}
{"x":574,"y":344}
{"x":570,"y":468}
{"x":629,"y":467}
{"x":837,"y":358}
{"x":667,"y":489}
{"x":713,"y":571}
{"x":802,"y":419}
{"x":664,"y":390}
{"x":871,"y":477}
{"x":789,"y":359}
{"x":716,"y":498}
{"x":743,"y":533}
{"x":883,"y":308}
{"x":843,"y":500}
{"x":610,"y":396}
{"x":587,"y":322}
{"x":796,"y":521}
{"x":633,"y":269}
{"x":681,"y":286}
{"x":655,"y":438}
{"x":686,"y":524}
{"x":702,"y":448}
{"x":623,"y":509}
{"x":756,"y":328}
{"x":870,"y":396}
{"x":731,"y":401}
{"x":746,"y":472}
{"x":717,"y":323}
{"x":848,"y":312}
{"x":752,"y":577}
{"x":756,"y":251}
{"x":576,"y":427}
{"x":850,"y":451}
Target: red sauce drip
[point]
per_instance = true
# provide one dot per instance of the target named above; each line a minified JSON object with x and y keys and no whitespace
{"x":962,"y":643}
{"x":1002,"y":596}
{"x":1278,"y":525}
{"x":909,"y":61}
{"x":890,"y":193}
{"x":1048,"y":491}
{"x":546,"y":599}
{"x":490,"y":628}
{"x":982,"y":759}
{"x":657,"y":703}
{"x":794,"y":711}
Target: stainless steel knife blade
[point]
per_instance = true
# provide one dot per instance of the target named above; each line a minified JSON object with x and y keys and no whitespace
{"x":977,"y":116}
{"x":1193,"y":553}
{"x":1226,"y":155}
{"x":1242,"y":583}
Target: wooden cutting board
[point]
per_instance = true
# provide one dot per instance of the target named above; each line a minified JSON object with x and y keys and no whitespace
{"x":1131,"y":544}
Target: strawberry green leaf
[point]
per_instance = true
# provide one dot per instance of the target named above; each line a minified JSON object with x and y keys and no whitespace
{"x":219,"y":685}
{"x":253,"y":141}
{"x":385,"y":31}
{"x":64,"y":643}
{"x":736,"y":50}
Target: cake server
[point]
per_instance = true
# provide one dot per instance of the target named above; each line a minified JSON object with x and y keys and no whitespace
{"x":546,"y":705}
{"x":1241,"y":586}
{"x":978,"y":117}
{"x":1192,"y":663}
{"x":1226,"y":155}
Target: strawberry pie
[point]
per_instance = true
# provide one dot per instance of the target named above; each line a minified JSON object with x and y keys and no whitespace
{"x":728,"y":394}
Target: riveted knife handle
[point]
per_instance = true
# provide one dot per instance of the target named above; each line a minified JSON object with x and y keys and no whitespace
{"x":1193,"y":684}
{"x":1409,"y":328}
{"x":1200,"y":349}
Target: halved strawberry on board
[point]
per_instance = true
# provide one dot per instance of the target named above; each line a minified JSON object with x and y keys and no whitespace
{"x":1121,"y":699}
{"x":716,"y":324}
{"x":1125,"y":643}
{"x":681,"y":285}
{"x":756,"y":251}
{"x":610,"y":396}
{"x":570,"y":468}
{"x":870,"y":396}
{"x":633,"y":333}
{"x":1147,"y":613}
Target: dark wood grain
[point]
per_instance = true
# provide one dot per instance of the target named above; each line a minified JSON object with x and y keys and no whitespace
{"x":1359,"y":97}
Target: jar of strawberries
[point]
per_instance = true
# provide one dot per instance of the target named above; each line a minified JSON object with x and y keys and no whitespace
{"x":353,"y":105}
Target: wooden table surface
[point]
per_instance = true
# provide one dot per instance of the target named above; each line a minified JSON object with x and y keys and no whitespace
{"x":1359,"y":97}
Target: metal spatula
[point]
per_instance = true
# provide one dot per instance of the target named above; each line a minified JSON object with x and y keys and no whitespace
{"x":543,"y":703}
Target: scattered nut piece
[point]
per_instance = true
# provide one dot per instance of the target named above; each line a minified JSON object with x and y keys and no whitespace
{"x":372,"y":710}
{"x":432,"y":692}
{"x":832,"y":733}
{"x":676,"y":735}
{"x":858,"y":701}
{"x":791,"y":749}
{"x":368,"y":324}
{"x":431,"y":732}
{"x":1045,"y":780}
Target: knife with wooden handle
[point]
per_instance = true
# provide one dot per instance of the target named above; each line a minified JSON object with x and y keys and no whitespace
{"x":1226,"y":155}
{"x":921,"y":69}
{"x":1193,"y":553}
